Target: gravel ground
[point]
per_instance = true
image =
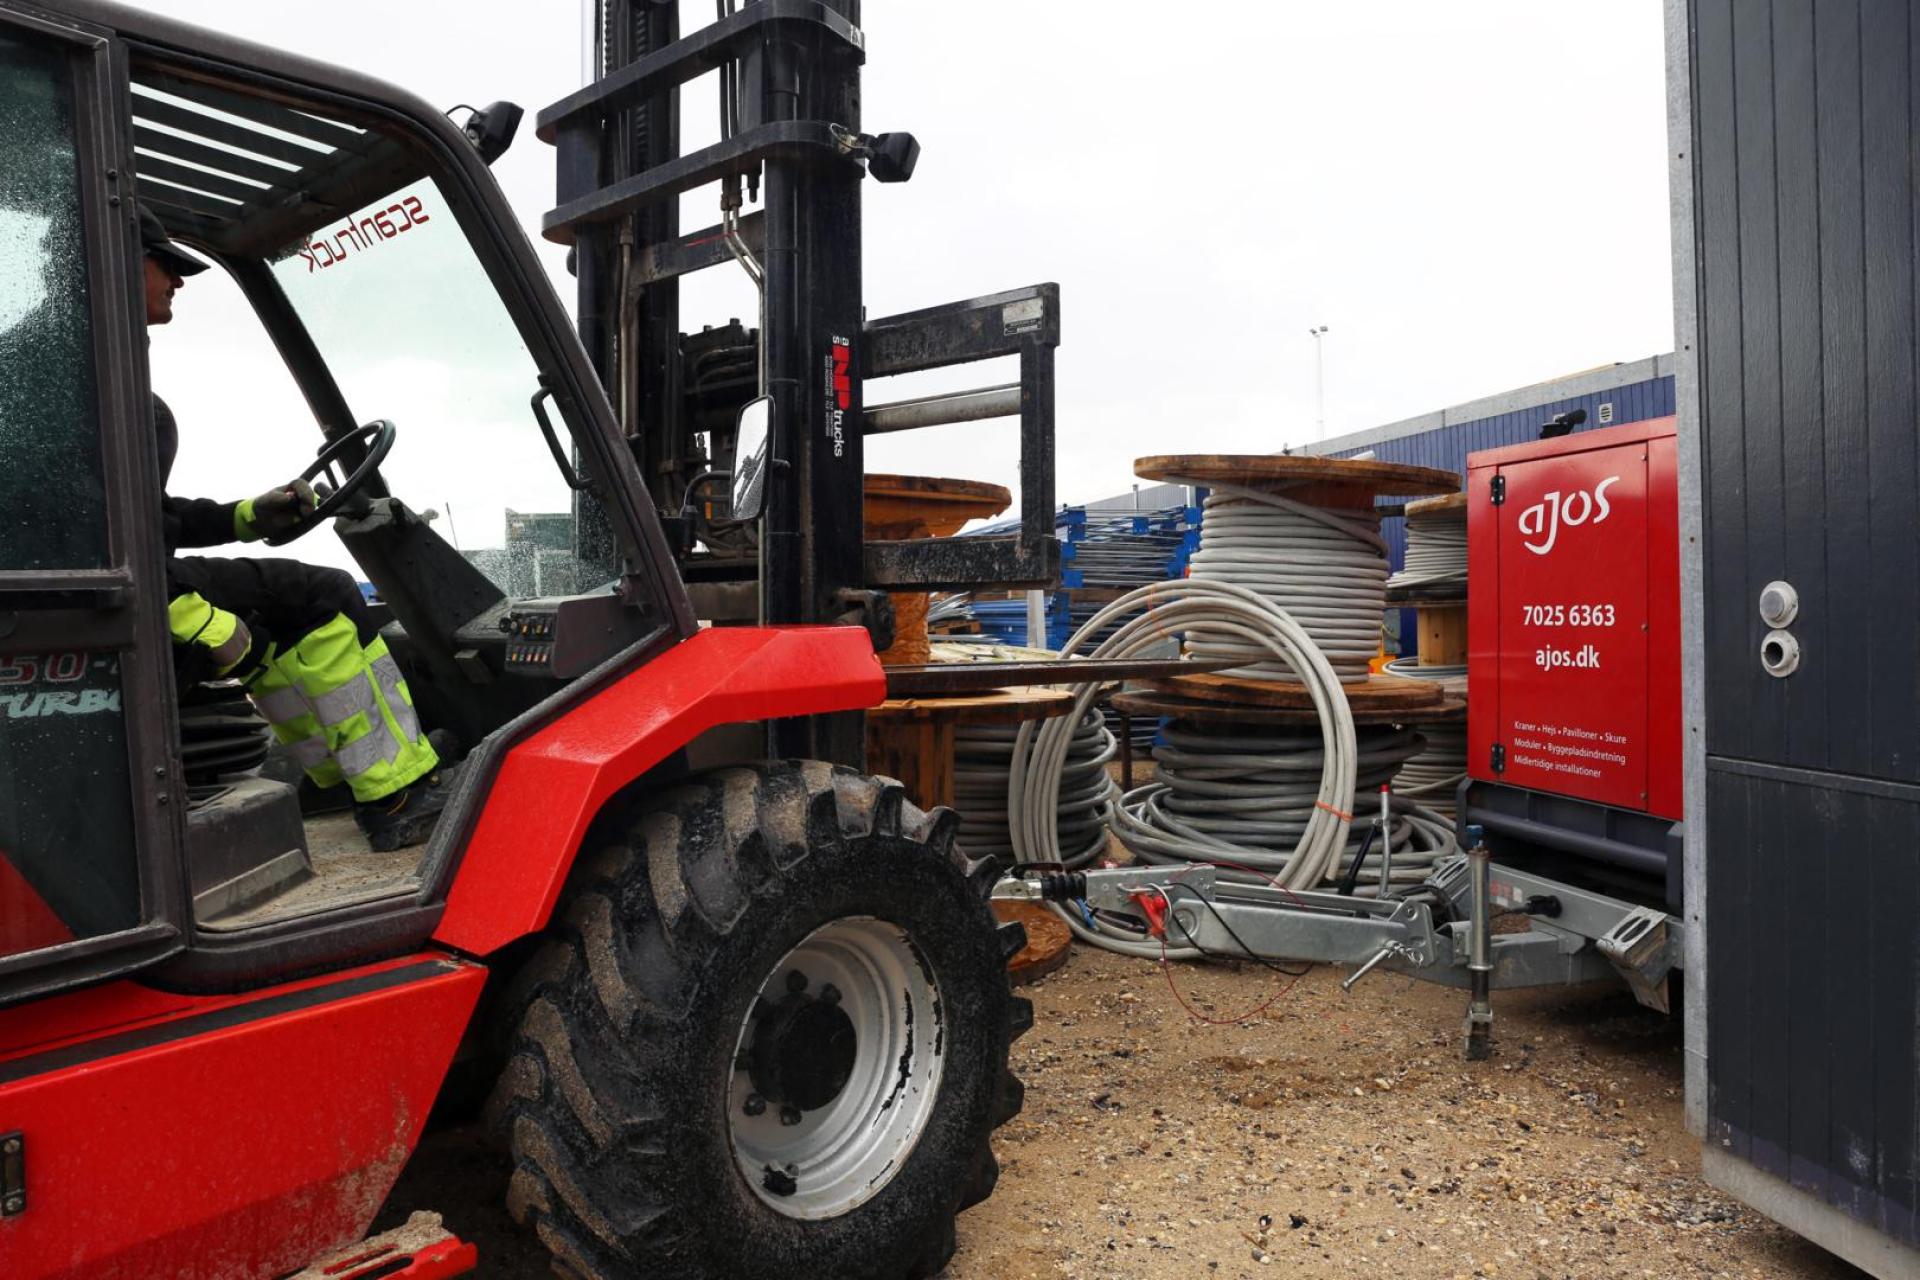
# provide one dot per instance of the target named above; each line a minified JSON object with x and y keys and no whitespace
{"x":1331,"y":1135}
{"x":1340,"y":1134}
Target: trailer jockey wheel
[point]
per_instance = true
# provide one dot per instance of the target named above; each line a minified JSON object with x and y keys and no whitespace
{"x":770,"y":1038}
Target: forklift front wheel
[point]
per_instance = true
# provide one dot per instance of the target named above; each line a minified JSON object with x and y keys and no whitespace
{"x":769,"y":1037}
{"x":835,"y":1071}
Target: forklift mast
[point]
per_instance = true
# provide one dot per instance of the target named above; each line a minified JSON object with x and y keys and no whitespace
{"x":789,"y":74}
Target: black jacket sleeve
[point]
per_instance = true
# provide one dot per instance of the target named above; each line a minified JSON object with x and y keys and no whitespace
{"x":196,"y":522}
{"x":187,"y":522}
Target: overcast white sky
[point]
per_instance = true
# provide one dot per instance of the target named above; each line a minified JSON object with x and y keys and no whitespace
{"x":1471,"y":195}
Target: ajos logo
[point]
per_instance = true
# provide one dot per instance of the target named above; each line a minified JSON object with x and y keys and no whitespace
{"x":1545,"y":518}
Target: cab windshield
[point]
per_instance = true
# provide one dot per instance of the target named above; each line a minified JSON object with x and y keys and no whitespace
{"x":412,"y":331}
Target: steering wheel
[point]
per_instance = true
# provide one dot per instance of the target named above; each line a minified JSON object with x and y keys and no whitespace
{"x":376,"y":438}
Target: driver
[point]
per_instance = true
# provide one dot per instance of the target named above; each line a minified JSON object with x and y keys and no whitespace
{"x":298,"y":636}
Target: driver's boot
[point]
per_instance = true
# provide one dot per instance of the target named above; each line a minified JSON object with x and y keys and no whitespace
{"x":344,"y":712}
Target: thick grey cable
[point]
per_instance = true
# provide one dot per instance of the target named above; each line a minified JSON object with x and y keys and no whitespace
{"x":1241,"y":616}
{"x":1326,"y":569}
{"x":982,"y":779}
{"x":1435,"y":774}
{"x":1436,"y":550}
{"x":1243,"y":795}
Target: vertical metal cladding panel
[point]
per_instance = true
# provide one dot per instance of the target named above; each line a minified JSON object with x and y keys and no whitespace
{"x":1804,"y":122}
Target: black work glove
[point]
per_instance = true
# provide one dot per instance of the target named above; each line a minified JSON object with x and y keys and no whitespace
{"x":278,"y":510}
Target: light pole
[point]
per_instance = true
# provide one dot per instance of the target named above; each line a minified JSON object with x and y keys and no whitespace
{"x":1318,"y":333}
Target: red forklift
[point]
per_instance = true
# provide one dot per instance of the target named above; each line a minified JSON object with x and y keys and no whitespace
{"x":739,"y":1008}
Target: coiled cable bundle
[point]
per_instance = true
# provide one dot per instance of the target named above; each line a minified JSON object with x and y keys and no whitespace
{"x":1153,"y":613}
{"x":982,"y":774}
{"x":1325,"y":568}
{"x":1433,"y":776}
{"x":1436,"y":548}
{"x":1242,"y":794}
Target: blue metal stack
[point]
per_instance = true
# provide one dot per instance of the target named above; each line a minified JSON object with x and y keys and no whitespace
{"x":1104,"y":555}
{"x":1125,"y":549}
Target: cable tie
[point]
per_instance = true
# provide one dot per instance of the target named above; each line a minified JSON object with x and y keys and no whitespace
{"x":1322,"y":804}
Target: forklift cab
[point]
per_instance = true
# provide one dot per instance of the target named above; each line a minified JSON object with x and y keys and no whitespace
{"x":379,"y":261}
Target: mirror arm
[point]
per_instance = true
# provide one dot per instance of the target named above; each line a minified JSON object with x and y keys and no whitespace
{"x":695,"y":485}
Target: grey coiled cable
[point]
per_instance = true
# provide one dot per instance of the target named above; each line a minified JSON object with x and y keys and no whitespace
{"x":1434,"y":776}
{"x":1242,"y":795}
{"x":982,"y":781}
{"x":1436,"y":549}
{"x":1326,"y":569}
{"x":1151,"y":614}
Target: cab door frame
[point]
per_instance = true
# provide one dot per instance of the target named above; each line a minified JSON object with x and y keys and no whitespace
{"x":119,"y":608}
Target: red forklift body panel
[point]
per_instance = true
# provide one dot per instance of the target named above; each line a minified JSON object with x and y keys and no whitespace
{"x":222,"y":1136}
{"x":552,"y":785}
{"x":1573,"y":661}
{"x":27,"y":923}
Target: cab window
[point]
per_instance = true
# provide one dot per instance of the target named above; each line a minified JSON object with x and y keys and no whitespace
{"x":411,"y":327}
{"x":68,"y":863}
{"x":384,"y":280}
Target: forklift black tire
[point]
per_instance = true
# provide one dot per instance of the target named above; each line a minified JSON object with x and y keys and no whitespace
{"x":769,"y":1038}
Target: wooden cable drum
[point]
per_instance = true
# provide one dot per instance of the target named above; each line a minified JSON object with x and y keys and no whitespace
{"x":900,"y":508}
{"x":1048,"y":941}
{"x":913,"y":739}
{"x":1188,"y":700}
{"x":1304,"y":534}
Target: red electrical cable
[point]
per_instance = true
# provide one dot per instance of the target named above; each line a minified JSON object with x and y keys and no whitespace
{"x":1166,"y":969}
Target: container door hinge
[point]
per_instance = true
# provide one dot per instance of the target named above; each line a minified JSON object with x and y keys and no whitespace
{"x":1499,"y":758}
{"x":1499,"y":488}
{"x":13,"y":1174}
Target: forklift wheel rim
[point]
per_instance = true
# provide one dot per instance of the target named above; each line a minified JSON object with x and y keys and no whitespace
{"x":827,"y":1160}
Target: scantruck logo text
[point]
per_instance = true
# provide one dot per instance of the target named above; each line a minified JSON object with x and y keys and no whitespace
{"x":1545,"y":518}
{"x":839,"y":393}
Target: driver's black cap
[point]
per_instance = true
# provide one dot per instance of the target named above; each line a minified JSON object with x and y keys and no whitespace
{"x":154,"y":239}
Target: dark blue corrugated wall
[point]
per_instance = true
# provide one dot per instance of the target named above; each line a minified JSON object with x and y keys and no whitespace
{"x":1447,"y":447}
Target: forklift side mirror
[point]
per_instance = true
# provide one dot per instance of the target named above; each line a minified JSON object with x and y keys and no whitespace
{"x":491,"y":129}
{"x":751,"y":441}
